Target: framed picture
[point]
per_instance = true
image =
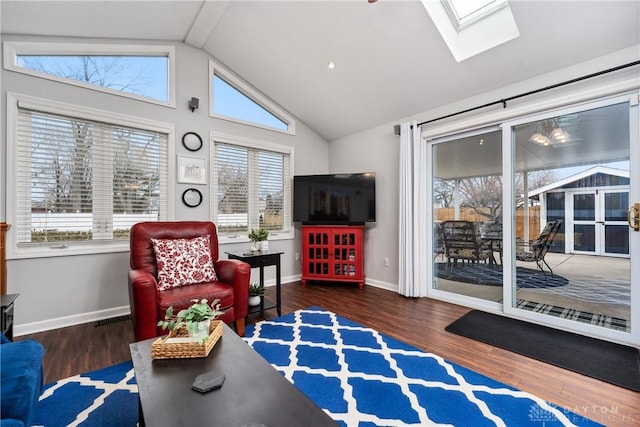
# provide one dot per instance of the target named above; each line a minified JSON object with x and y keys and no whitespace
{"x":192,"y":170}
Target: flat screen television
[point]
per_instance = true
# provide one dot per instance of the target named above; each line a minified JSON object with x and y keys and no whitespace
{"x":338,"y":199}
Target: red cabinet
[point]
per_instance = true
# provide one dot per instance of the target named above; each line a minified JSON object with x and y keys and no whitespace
{"x":331,"y":253}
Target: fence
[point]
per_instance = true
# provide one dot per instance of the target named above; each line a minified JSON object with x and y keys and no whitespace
{"x":467,"y":214}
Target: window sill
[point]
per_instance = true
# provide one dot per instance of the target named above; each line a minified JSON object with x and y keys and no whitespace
{"x":72,"y":250}
{"x":242,"y":238}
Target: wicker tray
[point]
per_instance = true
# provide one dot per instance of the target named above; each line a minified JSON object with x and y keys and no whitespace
{"x":160,"y":349}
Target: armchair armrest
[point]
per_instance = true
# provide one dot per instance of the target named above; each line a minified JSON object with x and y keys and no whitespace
{"x":144,"y":309}
{"x":237,"y":274}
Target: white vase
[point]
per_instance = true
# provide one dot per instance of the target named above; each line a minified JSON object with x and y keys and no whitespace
{"x":264,"y":245}
{"x":254,"y":300}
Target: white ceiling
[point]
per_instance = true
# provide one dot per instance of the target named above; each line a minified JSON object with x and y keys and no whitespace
{"x":390,"y":60}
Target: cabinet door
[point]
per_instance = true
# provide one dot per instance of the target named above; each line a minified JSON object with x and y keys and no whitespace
{"x":347,"y":253}
{"x":316,"y":259}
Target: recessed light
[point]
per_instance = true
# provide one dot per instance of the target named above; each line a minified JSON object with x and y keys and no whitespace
{"x":331,"y":65}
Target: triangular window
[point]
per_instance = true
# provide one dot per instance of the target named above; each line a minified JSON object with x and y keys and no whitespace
{"x":232,"y":99}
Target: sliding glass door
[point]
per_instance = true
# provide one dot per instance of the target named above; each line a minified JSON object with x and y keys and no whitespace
{"x":531,"y":218}
{"x":573,"y":263}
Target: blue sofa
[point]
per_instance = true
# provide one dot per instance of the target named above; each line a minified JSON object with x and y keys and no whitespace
{"x":21,"y":380}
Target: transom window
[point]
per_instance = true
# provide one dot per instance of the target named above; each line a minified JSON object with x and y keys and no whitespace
{"x":141,"y":72}
{"x":233,"y":99}
{"x":251,"y":187}
{"x":81,"y":181}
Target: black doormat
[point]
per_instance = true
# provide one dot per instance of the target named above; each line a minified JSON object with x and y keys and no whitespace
{"x":614,"y":363}
{"x":491,"y":275}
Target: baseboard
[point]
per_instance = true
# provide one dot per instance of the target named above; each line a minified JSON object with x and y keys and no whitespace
{"x":76,"y":319}
{"x":367,"y":281}
{"x":381,"y":285}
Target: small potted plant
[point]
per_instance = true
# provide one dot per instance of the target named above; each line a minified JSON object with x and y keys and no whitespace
{"x":196,"y":318}
{"x":256,"y":290}
{"x":259,"y":238}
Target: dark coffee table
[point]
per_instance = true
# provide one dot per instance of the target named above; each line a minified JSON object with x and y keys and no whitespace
{"x":253,"y":393}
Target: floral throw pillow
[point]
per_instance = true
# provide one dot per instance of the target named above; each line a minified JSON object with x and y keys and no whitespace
{"x":183,"y":262}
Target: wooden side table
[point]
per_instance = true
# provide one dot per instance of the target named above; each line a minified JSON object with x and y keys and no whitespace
{"x":262,"y":259}
{"x":7,"y":314}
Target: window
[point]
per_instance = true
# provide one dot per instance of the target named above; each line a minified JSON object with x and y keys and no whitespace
{"x":81,"y":180}
{"x":251,"y":187}
{"x":464,"y":12}
{"x":141,"y":72}
{"x":470,"y":27}
{"x":232,"y":99}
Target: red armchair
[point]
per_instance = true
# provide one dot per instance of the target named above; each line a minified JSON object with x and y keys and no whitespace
{"x":148,"y":304}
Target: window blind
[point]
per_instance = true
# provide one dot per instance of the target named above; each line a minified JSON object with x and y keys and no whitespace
{"x":252,"y":189}
{"x":86,"y":181}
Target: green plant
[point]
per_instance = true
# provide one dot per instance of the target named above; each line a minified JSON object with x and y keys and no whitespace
{"x":256,"y":289}
{"x":199,"y":311}
{"x":258,"y":235}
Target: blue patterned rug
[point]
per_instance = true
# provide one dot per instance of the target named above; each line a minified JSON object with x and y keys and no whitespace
{"x":357,"y":375}
{"x":104,"y":398}
{"x":363,"y":378}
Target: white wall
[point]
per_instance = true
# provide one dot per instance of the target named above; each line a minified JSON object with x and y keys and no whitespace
{"x":60,"y":291}
{"x":377,"y":149}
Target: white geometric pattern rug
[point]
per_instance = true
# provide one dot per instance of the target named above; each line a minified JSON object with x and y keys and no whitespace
{"x":104,"y":398}
{"x":363,"y":378}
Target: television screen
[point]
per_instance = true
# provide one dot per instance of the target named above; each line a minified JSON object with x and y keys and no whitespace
{"x":334,"y":199}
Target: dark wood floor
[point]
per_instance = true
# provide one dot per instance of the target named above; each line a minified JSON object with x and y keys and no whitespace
{"x":419,"y":322}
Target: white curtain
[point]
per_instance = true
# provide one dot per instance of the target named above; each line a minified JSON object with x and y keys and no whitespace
{"x":413,"y":213}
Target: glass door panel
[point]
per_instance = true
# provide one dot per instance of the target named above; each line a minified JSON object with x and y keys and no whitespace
{"x":616,"y":239}
{"x":614,"y":224}
{"x":616,"y":206}
{"x":584,"y":238}
{"x":584,"y":207}
{"x":584,"y":220}
{"x":467,"y":216}
{"x":573,"y":167}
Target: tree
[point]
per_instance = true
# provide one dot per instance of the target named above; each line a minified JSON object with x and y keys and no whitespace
{"x":484,"y":194}
{"x":233,"y":189}
{"x":134,"y":185}
{"x":69,"y":177}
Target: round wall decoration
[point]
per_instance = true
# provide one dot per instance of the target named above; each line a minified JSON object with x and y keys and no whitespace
{"x":192,"y":197}
{"x":192,"y":141}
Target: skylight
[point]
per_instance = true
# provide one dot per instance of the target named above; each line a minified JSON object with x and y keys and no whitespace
{"x":470,"y":27}
{"x":465,"y":12}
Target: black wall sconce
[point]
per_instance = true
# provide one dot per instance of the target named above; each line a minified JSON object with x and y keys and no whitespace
{"x":194,"y":103}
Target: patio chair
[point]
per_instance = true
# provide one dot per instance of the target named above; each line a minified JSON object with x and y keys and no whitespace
{"x":538,"y":248}
{"x":462,"y":242}
{"x":491,"y":234}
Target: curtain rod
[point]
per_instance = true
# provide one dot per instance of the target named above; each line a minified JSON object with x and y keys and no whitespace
{"x":533,"y":92}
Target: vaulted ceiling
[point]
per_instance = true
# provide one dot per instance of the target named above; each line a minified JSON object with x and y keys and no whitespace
{"x":391,"y":62}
